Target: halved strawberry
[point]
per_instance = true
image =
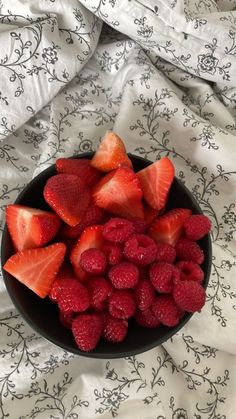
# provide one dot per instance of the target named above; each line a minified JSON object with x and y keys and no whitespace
{"x":90,"y":238}
{"x":111,"y":154}
{"x":30,"y":227}
{"x":169,"y":227}
{"x":68,"y":196}
{"x":156,"y":181}
{"x":79,"y":167}
{"x":119,"y":192}
{"x":37,"y":268}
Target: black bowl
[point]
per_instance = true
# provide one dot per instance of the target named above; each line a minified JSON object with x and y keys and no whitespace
{"x":42,"y":315}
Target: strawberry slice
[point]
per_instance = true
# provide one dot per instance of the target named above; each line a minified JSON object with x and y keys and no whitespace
{"x":119,"y":192}
{"x":30,"y":227}
{"x":37,"y":268}
{"x":111,"y":154}
{"x":68,"y":196}
{"x":79,"y":167}
{"x":169,"y":227}
{"x":156,"y":181}
{"x":90,"y":238}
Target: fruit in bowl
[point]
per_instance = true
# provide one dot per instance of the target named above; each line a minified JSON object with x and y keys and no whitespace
{"x":107,"y":254}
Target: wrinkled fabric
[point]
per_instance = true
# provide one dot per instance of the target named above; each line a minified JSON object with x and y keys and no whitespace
{"x":162,"y":74}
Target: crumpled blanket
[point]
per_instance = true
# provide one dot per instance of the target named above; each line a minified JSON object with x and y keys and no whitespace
{"x":162,"y":74}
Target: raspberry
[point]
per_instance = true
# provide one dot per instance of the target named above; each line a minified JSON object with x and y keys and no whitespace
{"x":140,"y":226}
{"x":121,"y":304}
{"x":73,"y":297}
{"x":113,"y":252}
{"x":189,"y":295}
{"x":190,"y":271}
{"x":117,"y":230}
{"x":166,"y":310}
{"x":87,"y":330}
{"x":66,"y":319}
{"x":115,"y":330}
{"x":197,"y":226}
{"x":146,"y":318}
{"x":93,"y":261}
{"x":165,"y":253}
{"x":99,"y":290}
{"x":163,"y":275}
{"x":189,"y":250}
{"x":140,"y":249}
{"x":124,"y":275}
{"x":56,"y":287}
{"x":144,"y":294}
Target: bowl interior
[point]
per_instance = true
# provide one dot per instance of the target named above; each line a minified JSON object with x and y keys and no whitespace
{"x":42,"y":315}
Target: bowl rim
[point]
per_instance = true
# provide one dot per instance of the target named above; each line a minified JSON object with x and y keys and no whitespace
{"x":171,"y":332}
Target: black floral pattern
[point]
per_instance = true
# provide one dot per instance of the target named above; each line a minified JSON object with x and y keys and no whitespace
{"x":169,"y":90}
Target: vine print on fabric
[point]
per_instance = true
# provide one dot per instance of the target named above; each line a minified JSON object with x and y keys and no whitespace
{"x":162,"y":75}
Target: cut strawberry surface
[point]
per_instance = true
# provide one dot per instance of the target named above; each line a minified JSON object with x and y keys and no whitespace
{"x":156,"y":181}
{"x":79,"y":167}
{"x":119,"y":192}
{"x":30,"y":227}
{"x":90,"y":238}
{"x":111,"y":154}
{"x":169,"y":227}
{"x":37,"y":268}
{"x":68,"y":196}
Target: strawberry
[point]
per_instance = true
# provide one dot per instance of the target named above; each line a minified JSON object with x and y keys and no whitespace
{"x":30,"y":227}
{"x":111,"y":154}
{"x":149,"y":214}
{"x":79,"y":167}
{"x":119,"y":192}
{"x":90,"y":238}
{"x":37,"y":268}
{"x":156,"y":181}
{"x":68,"y":196}
{"x":169,"y":227}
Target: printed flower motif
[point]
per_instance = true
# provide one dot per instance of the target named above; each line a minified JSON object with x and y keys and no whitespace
{"x":226,"y":264}
{"x":180,"y":414}
{"x":145,"y":31}
{"x":207,"y":63}
{"x":50,"y":55}
{"x":113,"y":398}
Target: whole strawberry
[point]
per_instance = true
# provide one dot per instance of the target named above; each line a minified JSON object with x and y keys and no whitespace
{"x":87,"y":330}
{"x":189,"y":295}
{"x":197,"y":226}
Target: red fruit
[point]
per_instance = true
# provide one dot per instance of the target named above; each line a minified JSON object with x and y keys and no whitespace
{"x":140,"y":226}
{"x":140,"y":249}
{"x":30,"y":227}
{"x":124,"y":275}
{"x":169,"y":227}
{"x":68,"y":196}
{"x":156,"y":181}
{"x":166,"y":310}
{"x":197,"y":226}
{"x":93,"y":261}
{"x":121,"y":304}
{"x":189,"y":295}
{"x":90,"y":238}
{"x":190,"y":271}
{"x":66,"y":319}
{"x":117,"y":230}
{"x":99,"y":289}
{"x":145,"y":294}
{"x":115,"y":330}
{"x":113,"y":252}
{"x":189,"y":250}
{"x":37,"y":268}
{"x":73,"y":297}
{"x":79,"y":167}
{"x":63,"y":274}
{"x":163,"y":275}
{"x":120,"y":193}
{"x":146,"y":318}
{"x":87,"y":330}
{"x":165,"y":253}
{"x":93,"y":215}
{"x":150,"y":214}
{"x":111,"y":154}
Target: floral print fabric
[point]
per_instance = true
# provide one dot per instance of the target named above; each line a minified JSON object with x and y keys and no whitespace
{"x":163,"y":76}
